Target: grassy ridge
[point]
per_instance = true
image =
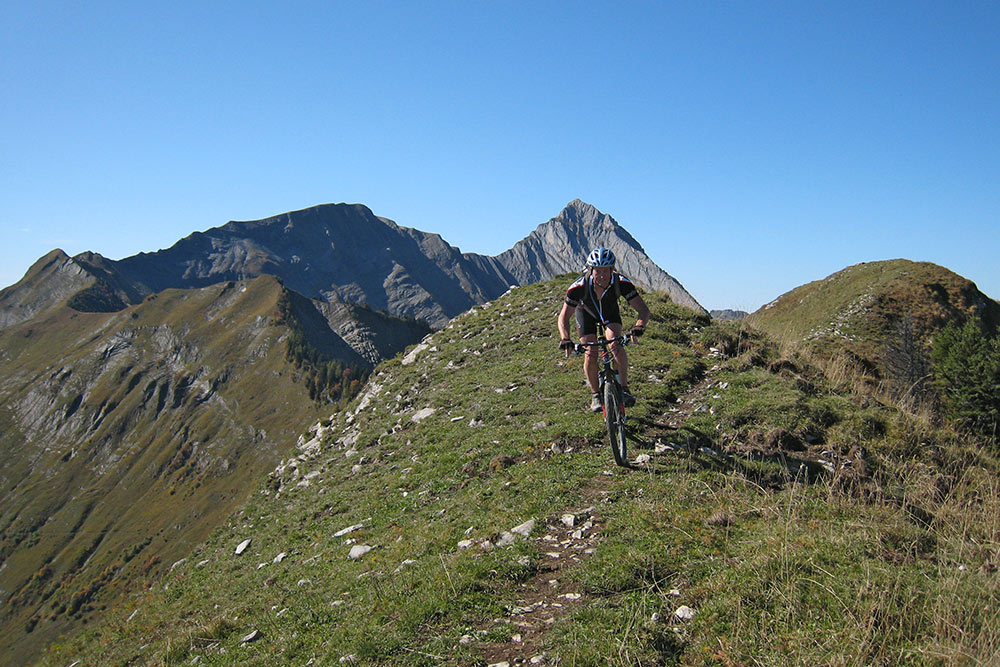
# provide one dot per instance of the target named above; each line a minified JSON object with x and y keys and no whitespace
{"x":802,"y":525}
{"x":878,"y":317}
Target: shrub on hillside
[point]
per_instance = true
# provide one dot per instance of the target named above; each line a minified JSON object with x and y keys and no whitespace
{"x":967,"y":373}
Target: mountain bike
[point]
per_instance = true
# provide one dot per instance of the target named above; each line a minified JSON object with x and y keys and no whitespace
{"x":611,"y":391}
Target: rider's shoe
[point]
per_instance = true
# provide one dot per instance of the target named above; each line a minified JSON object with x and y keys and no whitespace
{"x":628,"y":398}
{"x":596,"y":403}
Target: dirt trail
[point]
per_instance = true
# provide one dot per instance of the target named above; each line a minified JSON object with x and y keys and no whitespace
{"x":550,"y":595}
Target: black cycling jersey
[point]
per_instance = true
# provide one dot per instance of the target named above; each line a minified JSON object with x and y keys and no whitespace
{"x":589,"y":310}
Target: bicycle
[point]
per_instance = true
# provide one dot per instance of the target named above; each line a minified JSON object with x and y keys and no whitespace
{"x":611,"y":389}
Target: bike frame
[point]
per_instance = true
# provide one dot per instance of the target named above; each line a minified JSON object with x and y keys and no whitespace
{"x":610,"y":388}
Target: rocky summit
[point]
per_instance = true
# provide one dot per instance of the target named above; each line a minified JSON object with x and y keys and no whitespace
{"x":561,"y":245}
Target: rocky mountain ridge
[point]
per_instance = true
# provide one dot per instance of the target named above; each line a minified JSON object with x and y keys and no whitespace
{"x":338,"y":252}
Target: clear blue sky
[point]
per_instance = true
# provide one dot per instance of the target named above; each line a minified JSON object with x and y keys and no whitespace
{"x":750,"y":147}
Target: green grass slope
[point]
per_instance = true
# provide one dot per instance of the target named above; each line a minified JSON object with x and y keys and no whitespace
{"x":126,"y":439}
{"x":466,"y":511}
{"x":881,"y":315}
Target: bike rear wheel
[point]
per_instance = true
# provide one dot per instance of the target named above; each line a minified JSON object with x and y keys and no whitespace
{"x":614,"y":415}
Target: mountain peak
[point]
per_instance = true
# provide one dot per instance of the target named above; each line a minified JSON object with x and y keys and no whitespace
{"x":562,"y":244}
{"x":580,"y":212}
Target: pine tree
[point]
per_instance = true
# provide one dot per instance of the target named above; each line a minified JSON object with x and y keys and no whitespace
{"x":967,"y":373}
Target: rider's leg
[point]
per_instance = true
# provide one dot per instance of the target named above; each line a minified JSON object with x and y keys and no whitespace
{"x":591,"y":364}
{"x":587,"y":328}
{"x":614,"y":330}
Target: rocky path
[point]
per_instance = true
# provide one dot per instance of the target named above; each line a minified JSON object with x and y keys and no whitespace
{"x":567,"y":540}
{"x":550,"y":595}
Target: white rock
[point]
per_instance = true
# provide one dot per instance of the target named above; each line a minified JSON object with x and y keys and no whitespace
{"x":359,"y":550}
{"x":349,"y":529}
{"x":412,"y":355}
{"x":242,"y":546}
{"x":684,"y":613}
{"x":525,"y":528}
{"x":311,"y":447}
{"x":642,"y":458}
{"x":421,"y":415}
{"x":568,"y":520}
{"x":465,"y":544}
{"x":280,"y":557}
{"x":506,"y":539}
{"x":253,"y":636}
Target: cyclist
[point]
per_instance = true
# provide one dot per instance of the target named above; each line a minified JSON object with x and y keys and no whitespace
{"x":594,"y":298}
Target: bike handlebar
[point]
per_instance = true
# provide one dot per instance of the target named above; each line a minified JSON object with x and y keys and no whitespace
{"x":578,"y":348}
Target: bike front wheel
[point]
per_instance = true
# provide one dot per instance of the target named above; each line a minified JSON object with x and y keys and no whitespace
{"x":614,"y":415}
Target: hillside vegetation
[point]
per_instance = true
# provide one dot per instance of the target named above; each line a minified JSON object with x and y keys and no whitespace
{"x":878,"y":317}
{"x":466,"y":510}
{"x":127,"y":447}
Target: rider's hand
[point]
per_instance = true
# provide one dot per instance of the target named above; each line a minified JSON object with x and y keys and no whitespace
{"x":567,"y":345}
{"x":637,"y":331}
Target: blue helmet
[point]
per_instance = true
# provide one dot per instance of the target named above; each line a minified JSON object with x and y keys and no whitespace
{"x":601,"y":257}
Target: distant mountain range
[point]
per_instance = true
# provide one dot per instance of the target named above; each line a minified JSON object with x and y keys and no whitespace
{"x":339,"y":253}
{"x":728,"y":314}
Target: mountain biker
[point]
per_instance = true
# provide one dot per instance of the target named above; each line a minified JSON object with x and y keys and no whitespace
{"x":594,"y":298}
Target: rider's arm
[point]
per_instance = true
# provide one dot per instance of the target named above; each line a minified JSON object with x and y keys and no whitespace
{"x":641,"y":310}
{"x":565,"y":318}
